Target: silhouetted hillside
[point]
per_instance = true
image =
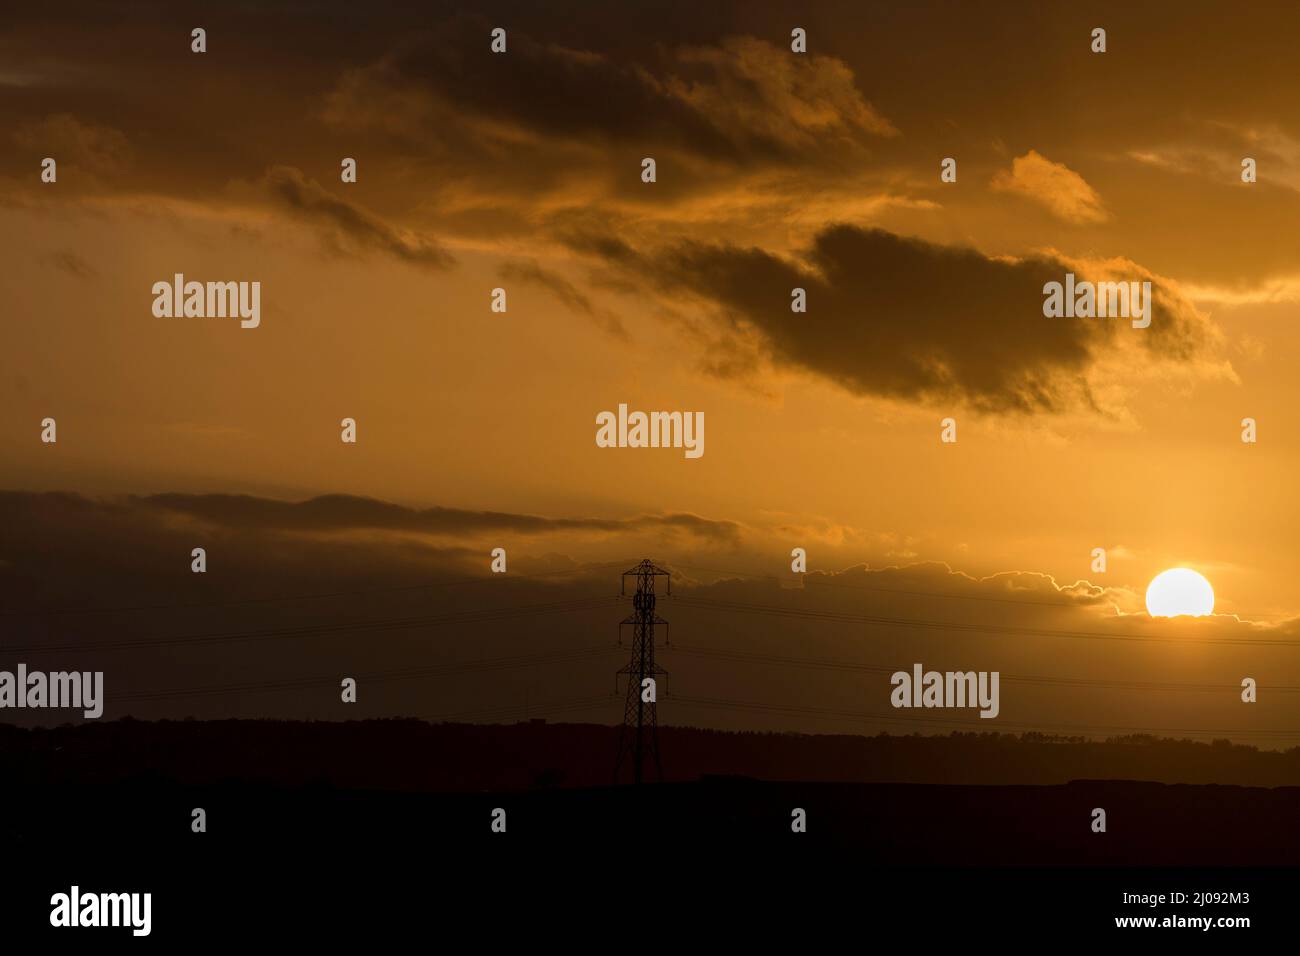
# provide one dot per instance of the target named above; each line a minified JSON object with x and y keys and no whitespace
{"x":397,"y":816}
{"x":404,"y":754}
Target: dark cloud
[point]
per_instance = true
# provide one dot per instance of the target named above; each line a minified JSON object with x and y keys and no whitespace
{"x":464,"y":139}
{"x":346,"y":224}
{"x":740,"y":100}
{"x":531,"y":272}
{"x":75,"y":143}
{"x":333,"y":513}
{"x":67,"y":261}
{"x":906,"y":319}
{"x":562,"y":288}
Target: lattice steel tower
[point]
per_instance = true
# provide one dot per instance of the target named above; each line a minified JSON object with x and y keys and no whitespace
{"x":638,"y":712}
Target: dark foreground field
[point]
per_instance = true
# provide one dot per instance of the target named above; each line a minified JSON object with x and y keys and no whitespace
{"x":281,"y":853}
{"x":880,"y":824}
{"x":314,"y":861}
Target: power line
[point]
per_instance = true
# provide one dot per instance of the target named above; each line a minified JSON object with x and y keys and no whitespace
{"x":434,"y":670}
{"x":829,"y":664}
{"x":858,"y":716}
{"x":506,"y":712}
{"x":703,"y":603}
{"x":837,"y":617}
{"x":544,"y":707}
{"x":521,"y":710}
{"x":240,"y":602}
{"x":969,"y":723}
{"x":944,"y":595}
{"x":578,"y":605}
{"x":464,"y":617}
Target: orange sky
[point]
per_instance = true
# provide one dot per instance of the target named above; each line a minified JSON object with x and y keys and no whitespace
{"x":774,"y":169}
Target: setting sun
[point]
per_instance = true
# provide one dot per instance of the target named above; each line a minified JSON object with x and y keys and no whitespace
{"x":1179,"y":591}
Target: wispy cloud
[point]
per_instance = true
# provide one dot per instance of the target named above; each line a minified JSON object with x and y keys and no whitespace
{"x":1054,"y":186}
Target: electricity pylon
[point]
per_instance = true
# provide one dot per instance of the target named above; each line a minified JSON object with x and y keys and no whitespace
{"x":642,"y":673}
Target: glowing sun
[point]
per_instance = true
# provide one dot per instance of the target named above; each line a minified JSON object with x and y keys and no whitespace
{"x":1179,"y":591}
